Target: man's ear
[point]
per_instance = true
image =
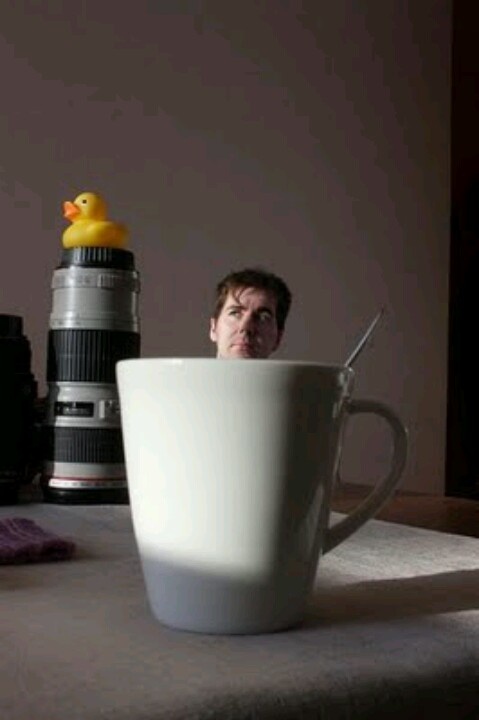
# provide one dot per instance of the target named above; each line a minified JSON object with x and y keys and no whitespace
{"x":213,"y":336}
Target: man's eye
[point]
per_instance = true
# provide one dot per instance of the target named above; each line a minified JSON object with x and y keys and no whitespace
{"x":265,"y":316}
{"x":234,"y":311}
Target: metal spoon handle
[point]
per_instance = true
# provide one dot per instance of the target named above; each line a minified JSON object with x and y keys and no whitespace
{"x":361,"y":344}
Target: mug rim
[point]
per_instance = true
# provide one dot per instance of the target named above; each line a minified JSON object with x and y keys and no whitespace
{"x":244,"y":363}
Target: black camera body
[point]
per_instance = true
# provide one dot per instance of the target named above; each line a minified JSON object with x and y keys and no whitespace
{"x":18,"y":407}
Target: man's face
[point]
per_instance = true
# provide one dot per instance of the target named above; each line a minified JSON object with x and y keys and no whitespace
{"x":247,"y":325}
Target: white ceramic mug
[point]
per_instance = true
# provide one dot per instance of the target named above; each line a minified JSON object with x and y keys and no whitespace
{"x":231,"y":466}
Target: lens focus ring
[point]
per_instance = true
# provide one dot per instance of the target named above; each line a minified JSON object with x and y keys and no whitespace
{"x":83,"y":445}
{"x":88,"y":355}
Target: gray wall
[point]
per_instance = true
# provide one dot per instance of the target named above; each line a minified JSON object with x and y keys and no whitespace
{"x":310,"y":137}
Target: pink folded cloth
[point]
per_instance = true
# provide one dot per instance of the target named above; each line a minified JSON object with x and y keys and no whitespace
{"x":23,"y":541}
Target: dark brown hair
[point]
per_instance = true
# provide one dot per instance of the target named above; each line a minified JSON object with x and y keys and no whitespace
{"x":261,"y":280}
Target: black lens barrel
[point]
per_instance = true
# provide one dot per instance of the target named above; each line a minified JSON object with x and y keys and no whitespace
{"x":18,"y":392}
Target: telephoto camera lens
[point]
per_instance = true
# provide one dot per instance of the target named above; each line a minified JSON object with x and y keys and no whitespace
{"x":18,"y":393}
{"x":94,"y":323}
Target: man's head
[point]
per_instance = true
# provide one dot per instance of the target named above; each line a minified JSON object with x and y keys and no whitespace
{"x":250,"y":313}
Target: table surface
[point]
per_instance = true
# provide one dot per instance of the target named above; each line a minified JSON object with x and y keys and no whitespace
{"x":392,"y":631}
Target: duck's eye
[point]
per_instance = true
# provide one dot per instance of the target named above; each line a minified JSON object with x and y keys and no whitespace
{"x":84,"y":202}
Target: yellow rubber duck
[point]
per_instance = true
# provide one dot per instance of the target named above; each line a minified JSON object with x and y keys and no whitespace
{"x":89,"y":226}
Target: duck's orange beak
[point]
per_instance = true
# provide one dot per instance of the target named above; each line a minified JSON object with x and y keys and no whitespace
{"x":70,"y":210}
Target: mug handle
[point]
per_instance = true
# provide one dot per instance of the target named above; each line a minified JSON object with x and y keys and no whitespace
{"x":384,"y":488}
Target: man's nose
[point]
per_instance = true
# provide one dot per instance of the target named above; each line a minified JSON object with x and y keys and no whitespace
{"x":247,"y":323}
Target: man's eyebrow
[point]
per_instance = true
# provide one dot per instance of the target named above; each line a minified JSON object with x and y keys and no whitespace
{"x":238,"y":306}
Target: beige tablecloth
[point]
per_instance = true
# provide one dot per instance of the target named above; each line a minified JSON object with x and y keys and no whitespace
{"x":393,"y":632}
